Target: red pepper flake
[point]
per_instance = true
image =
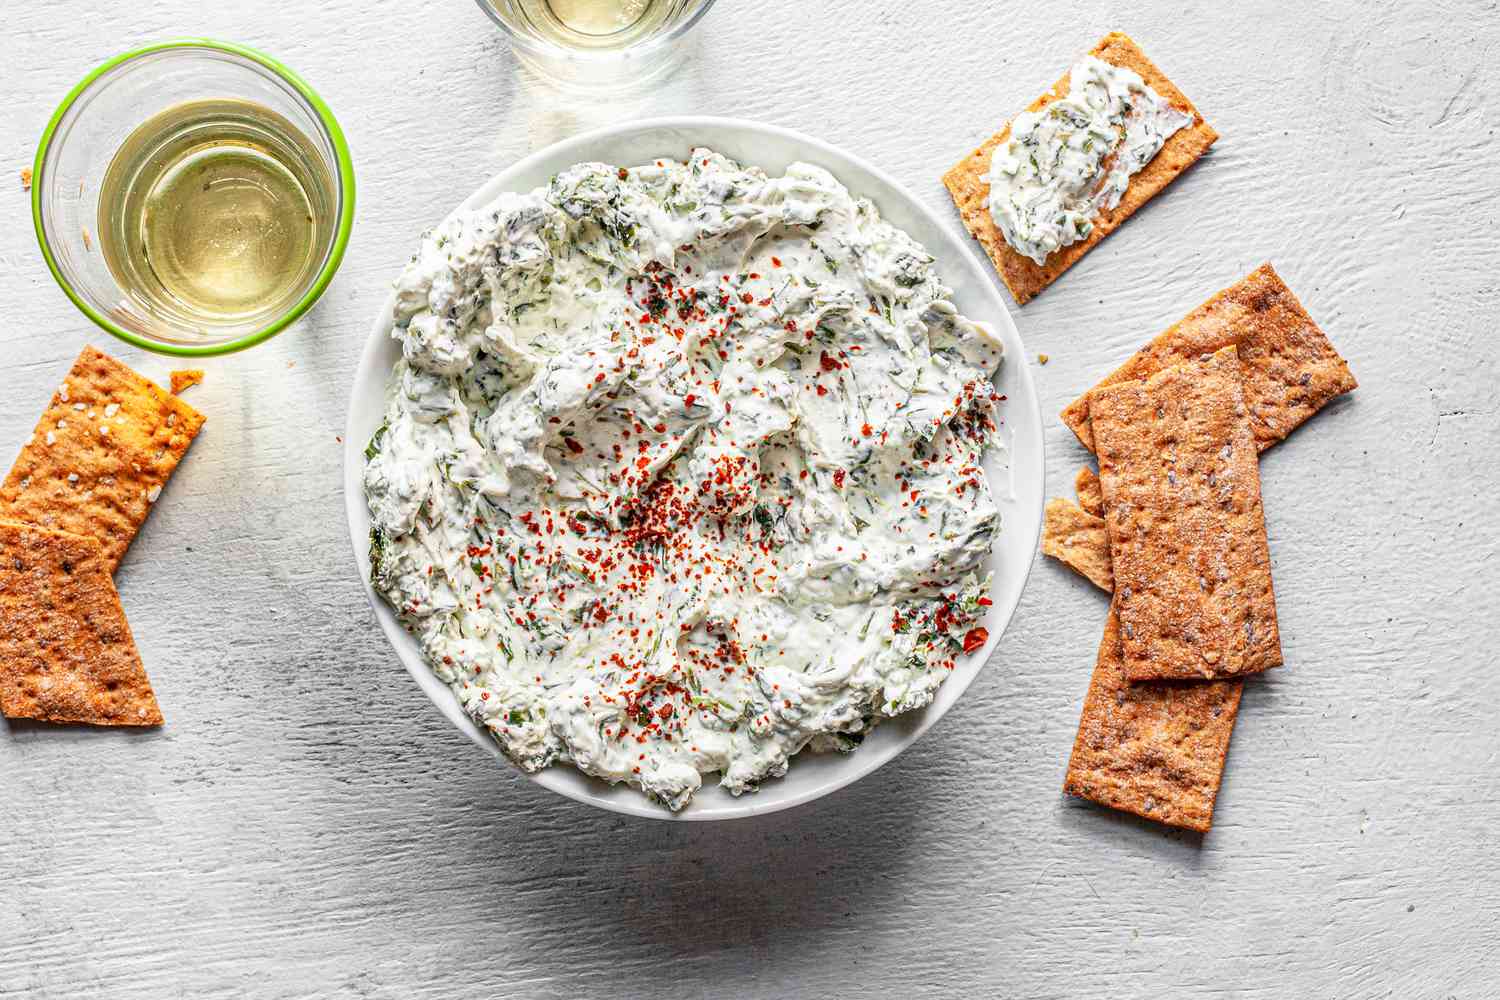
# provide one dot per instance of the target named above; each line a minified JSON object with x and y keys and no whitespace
{"x":822,"y":390}
{"x":867,"y":430}
{"x":827,"y":363}
{"x":838,"y":478}
{"x":975,"y":639}
{"x":688,"y":399}
{"x":573,"y":446}
{"x":775,"y":261}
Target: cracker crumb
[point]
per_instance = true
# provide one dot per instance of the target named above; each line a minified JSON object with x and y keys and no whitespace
{"x":25,"y":178}
{"x":185,"y":378}
{"x":1042,"y":359}
{"x":88,"y":239}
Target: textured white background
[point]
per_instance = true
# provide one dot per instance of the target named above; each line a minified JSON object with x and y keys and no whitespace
{"x":306,"y":825}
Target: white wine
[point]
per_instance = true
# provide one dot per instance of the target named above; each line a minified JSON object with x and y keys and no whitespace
{"x":216,"y":212}
{"x":596,"y":24}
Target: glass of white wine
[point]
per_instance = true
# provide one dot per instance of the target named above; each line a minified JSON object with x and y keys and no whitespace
{"x":193,"y":197}
{"x":597,"y":44}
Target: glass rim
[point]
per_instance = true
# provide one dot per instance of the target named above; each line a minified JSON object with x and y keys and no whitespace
{"x":343,"y":170}
{"x":537,"y":46}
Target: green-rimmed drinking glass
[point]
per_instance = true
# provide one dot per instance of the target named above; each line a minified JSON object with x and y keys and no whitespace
{"x":97,"y":116}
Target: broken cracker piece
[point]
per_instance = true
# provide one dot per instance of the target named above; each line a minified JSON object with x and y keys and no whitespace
{"x":1090,"y":495}
{"x":1078,"y":540}
{"x":66,"y":653}
{"x":184,"y":379}
{"x":1181,"y":482}
{"x":101,"y":454}
{"x":1153,"y":749}
{"x":25,"y":178}
{"x":970,"y":190}
{"x":1289,"y":368}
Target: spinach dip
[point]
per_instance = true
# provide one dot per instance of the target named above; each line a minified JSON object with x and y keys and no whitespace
{"x":680,"y":471}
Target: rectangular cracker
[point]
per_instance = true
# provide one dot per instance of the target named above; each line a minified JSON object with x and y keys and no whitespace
{"x":1153,"y":749}
{"x":1187,"y":535}
{"x":1090,"y":494}
{"x":66,"y":653}
{"x":100,"y":455}
{"x":1079,"y":540}
{"x":966,"y":182}
{"x":1288,"y":367}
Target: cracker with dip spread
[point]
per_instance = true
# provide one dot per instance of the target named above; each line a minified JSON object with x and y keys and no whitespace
{"x":66,"y":652}
{"x":101,"y":454}
{"x":1288,"y":367}
{"x":1187,"y":535}
{"x":1153,"y":749}
{"x":1129,"y":132}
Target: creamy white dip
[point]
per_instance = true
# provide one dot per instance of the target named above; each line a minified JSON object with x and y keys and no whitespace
{"x":680,"y":470}
{"x":1073,"y":159}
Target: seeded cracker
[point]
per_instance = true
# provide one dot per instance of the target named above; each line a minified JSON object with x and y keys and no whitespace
{"x":1090,"y":494}
{"x":966,"y":182}
{"x":1078,"y":540}
{"x":100,"y":455}
{"x":66,"y":653}
{"x":1154,"y":749}
{"x":1187,"y":535}
{"x":1289,"y":368}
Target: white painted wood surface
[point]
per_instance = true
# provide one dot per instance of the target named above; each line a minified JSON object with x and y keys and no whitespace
{"x":306,"y":826}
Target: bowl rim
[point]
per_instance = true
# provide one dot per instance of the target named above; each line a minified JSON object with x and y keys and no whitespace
{"x":870,"y":758}
{"x":343,"y":169}
{"x":550,"y":50}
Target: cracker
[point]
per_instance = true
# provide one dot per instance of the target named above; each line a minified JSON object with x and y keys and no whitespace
{"x":185,"y":378}
{"x":1078,"y":540}
{"x":1154,"y":749}
{"x":1181,"y":483}
{"x":1090,"y":495}
{"x":100,"y":455}
{"x":966,"y":182}
{"x":66,"y":653}
{"x":1289,"y":368}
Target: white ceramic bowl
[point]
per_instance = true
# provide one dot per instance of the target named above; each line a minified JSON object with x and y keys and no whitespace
{"x":1017,"y":475}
